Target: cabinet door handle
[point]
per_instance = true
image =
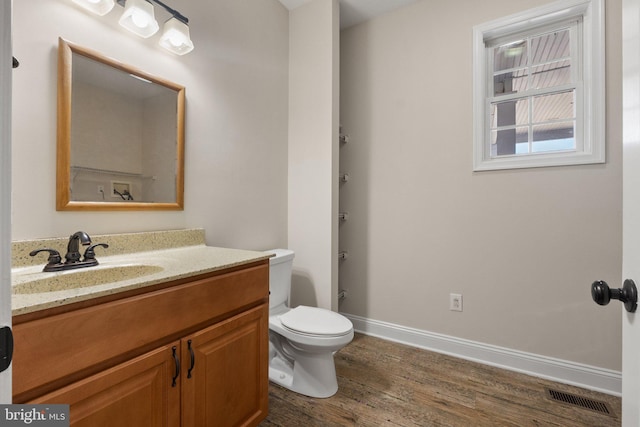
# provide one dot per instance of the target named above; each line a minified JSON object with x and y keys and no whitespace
{"x":6,"y":347}
{"x":177,"y":361}
{"x":193,"y":359}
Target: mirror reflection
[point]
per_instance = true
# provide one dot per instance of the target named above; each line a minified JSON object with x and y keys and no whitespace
{"x":120,"y":135}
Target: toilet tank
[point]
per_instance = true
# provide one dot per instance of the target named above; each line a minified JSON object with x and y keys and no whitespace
{"x":280,"y":267}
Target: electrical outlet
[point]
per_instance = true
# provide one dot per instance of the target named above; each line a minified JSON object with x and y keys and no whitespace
{"x":455,"y":302}
{"x":100,"y":189}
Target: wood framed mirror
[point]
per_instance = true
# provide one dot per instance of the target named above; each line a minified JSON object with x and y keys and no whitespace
{"x":120,"y":135}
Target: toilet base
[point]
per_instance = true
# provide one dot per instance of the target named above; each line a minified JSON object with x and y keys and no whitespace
{"x":313,"y":376}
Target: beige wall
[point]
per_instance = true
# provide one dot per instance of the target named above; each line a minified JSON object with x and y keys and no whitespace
{"x":313,"y":153}
{"x":236,"y":83}
{"x":522,"y":246}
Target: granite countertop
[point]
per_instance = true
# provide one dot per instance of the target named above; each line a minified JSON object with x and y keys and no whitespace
{"x":119,"y":273}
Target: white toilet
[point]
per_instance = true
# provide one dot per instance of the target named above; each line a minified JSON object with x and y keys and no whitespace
{"x":302,"y":340}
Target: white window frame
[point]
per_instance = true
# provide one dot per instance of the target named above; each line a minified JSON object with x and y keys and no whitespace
{"x":590,"y":136}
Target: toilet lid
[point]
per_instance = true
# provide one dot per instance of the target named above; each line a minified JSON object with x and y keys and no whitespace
{"x":316,"y":321}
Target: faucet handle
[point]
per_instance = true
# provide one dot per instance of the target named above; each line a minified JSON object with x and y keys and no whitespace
{"x":54,"y":256}
{"x":90,"y":252}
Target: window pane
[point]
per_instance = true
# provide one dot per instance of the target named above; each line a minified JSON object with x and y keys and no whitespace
{"x":554,"y":137}
{"x":510,"y":141}
{"x":512,"y":81}
{"x":551,"y":75}
{"x":550,"y":46}
{"x":510,"y":113}
{"x":522,"y":135}
{"x":510,"y":55}
{"x":558,"y":106}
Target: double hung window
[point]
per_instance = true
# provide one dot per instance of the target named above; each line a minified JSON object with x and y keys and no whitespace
{"x":539,"y":88}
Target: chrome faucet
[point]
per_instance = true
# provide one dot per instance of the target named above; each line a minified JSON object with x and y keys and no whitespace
{"x":73,"y":257}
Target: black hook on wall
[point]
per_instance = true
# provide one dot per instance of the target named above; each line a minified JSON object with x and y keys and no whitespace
{"x":16,"y":64}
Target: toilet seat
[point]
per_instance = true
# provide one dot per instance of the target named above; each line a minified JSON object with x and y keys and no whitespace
{"x":316,"y":322}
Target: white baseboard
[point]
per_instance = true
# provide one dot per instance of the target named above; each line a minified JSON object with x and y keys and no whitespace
{"x":562,"y":371}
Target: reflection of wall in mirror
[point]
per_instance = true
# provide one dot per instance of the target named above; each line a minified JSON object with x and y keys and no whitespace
{"x":122,"y":136}
{"x":159,"y":148}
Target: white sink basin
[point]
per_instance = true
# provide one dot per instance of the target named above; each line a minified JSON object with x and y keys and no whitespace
{"x":36,"y":283}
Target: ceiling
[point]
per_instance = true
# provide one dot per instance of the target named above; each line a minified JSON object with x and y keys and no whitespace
{"x":353,"y":12}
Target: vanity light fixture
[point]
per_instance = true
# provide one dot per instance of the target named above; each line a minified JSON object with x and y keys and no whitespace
{"x":99,"y":7}
{"x":175,"y":36}
{"x":139,"y":18}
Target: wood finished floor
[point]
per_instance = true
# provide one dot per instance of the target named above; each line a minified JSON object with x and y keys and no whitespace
{"x":388,"y":384}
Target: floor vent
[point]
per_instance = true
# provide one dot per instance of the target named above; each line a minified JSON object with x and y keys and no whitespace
{"x":582,"y":402}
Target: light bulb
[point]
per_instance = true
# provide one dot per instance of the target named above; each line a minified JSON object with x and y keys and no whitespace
{"x":140,"y":19}
{"x":175,"y":37}
{"x":176,"y":40}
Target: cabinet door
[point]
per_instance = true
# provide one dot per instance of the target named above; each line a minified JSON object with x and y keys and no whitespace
{"x":229,"y":380}
{"x":138,"y":392}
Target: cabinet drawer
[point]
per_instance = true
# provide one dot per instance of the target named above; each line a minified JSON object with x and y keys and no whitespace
{"x":57,"y":350}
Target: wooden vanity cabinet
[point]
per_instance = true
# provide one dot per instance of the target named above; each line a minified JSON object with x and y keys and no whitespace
{"x":134,"y":393}
{"x":226,"y":385}
{"x":214,"y":373}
